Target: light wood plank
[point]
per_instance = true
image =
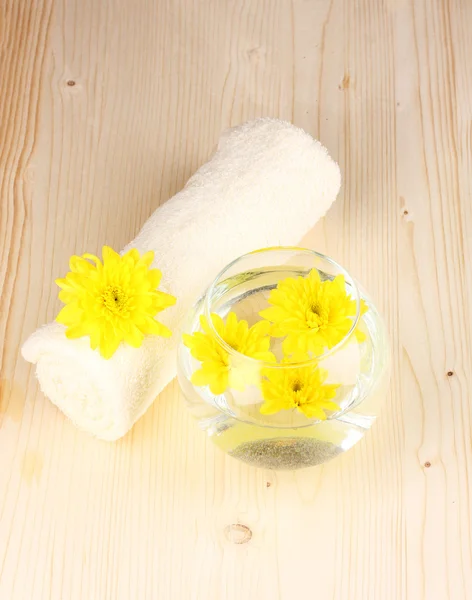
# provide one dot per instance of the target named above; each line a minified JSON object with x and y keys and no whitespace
{"x":106,"y":108}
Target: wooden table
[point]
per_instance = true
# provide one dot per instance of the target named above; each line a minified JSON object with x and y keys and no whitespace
{"x":106,"y":108}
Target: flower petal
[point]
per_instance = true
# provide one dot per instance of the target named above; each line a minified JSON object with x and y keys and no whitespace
{"x":69,"y":314}
{"x":209,"y":374}
{"x":110,"y":257}
{"x":148,"y":258}
{"x":165,"y":300}
{"x":132,"y":255}
{"x":93,"y":258}
{"x":134,"y":337}
{"x":153,"y":327}
{"x":155,"y":276}
{"x":77,"y":331}
{"x":80,"y":265}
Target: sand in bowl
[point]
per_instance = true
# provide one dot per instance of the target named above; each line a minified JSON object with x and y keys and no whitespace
{"x":286,"y":454}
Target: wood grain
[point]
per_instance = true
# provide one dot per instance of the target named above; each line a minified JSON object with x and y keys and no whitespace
{"x":106,"y":108}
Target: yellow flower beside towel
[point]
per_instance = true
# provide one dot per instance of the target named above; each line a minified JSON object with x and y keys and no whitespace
{"x":113,"y":301}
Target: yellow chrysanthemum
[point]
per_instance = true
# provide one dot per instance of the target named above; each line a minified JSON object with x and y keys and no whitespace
{"x":301,"y":388}
{"x":112,"y":301}
{"x":313,"y":314}
{"x":219,"y":370}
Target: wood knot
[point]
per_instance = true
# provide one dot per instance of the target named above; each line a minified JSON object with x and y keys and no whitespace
{"x":237,"y":533}
{"x":427,"y":464}
{"x":256,"y":54}
{"x":450,"y":373}
{"x":31,"y":467}
{"x":71,"y":83}
{"x":345,"y":83}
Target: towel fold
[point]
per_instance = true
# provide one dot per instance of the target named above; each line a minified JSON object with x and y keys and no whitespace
{"x":267,"y":184}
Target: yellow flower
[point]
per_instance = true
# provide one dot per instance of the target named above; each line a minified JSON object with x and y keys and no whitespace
{"x":219,"y":370}
{"x":313,"y":314}
{"x":301,"y":388}
{"x":112,"y":301}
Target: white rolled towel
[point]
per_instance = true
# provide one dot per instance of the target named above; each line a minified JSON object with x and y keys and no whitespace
{"x":267,"y":184}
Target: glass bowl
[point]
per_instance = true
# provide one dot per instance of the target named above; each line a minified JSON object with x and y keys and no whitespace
{"x":307,"y":382}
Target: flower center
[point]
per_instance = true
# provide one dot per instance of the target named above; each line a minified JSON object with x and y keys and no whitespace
{"x":297,"y":386}
{"x":115,"y":299}
{"x":316,"y":316}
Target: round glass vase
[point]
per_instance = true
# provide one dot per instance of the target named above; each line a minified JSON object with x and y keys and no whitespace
{"x":238,"y":413}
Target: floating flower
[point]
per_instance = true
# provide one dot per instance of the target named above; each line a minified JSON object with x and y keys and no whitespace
{"x":301,"y":388}
{"x":219,"y":370}
{"x":313,"y":314}
{"x":113,"y":301}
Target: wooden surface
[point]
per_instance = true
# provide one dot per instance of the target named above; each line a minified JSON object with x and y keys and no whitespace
{"x":106,"y":108}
